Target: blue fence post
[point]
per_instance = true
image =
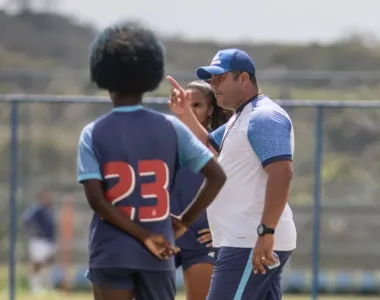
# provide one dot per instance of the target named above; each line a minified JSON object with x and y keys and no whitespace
{"x":12,"y":200}
{"x":317,"y":199}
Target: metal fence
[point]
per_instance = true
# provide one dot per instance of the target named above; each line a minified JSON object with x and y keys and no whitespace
{"x":335,"y":194}
{"x":281,"y":83}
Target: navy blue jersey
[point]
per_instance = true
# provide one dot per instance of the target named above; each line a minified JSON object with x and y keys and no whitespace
{"x":136,"y":153}
{"x":38,"y":220}
{"x":186,"y":186}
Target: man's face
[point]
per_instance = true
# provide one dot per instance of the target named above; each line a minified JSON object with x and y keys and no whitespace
{"x":227,"y":89}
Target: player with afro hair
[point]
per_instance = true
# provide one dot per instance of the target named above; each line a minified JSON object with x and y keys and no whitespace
{"x":127,"y":60}
{"x":127,"y":162}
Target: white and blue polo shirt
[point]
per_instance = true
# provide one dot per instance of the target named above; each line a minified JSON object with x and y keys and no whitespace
{"x":259,"y":133}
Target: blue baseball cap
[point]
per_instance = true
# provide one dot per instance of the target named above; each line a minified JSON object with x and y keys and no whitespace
{"x":227,"y":60}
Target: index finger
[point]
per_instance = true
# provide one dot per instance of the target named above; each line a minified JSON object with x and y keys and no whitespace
{"x":205,"y":230}
{"x":175,"y":84}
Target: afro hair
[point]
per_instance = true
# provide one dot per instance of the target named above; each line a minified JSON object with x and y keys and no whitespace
{"x":127,"y":59}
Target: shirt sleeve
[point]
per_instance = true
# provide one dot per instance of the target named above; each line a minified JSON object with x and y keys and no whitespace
{"x":88,"y":165}
{"x":270,"y":135}
{"x":192,"y":153}
{"x":215,"y":138}
{"x":29,"y":216}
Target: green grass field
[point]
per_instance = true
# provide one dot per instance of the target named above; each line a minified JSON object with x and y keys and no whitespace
{"x":22,"y":294}
{"x":58,"y":296}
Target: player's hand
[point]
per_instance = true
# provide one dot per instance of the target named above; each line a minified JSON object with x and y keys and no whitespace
{"x":263,"y":253}
{"x":178,"y":226}
{"x":205,"y":237}
{"x":160,"y":247}
{"x":179,"y":102}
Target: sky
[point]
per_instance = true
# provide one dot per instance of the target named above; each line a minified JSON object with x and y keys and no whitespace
{"x":235,"y":20}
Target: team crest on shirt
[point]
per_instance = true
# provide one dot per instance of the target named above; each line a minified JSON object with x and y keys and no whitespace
{"x":216,"y":59}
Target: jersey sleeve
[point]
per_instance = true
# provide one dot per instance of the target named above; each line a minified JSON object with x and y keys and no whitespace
{"x":192,"y":153}
{"x":29,"y":216}
{"x":88,"y":165}
{"x":270,"y":135}
{"x":215,"y":138}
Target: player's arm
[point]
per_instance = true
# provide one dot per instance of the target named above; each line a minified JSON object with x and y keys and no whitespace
{"x":28,"y":217}
{"x":189,"y":119}
{"x":269,"y":134}
{"x":211,"y":140}
{"x":214,"y":181}
{"x":28,"y":220}
{"x":179,"y":104}
{"x":194,"y":155}
{"x":90,"y":176}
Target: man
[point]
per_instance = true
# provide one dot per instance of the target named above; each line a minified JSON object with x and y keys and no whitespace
{"x":250,"y":218}
{"x":39,"y":223}
{"x":127,"y":162}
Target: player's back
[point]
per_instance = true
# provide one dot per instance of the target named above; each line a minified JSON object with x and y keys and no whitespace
{"x":137,"y":152}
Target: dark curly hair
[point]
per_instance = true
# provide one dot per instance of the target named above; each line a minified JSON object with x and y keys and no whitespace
{"x":127,"y":59}
{"x":219,"y":116}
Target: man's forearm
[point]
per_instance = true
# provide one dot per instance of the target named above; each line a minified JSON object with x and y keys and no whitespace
{"x":276,"y":197}
{"x":189,"y":119}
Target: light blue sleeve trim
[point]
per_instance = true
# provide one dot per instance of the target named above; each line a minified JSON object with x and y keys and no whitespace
{"x":88,"y":176}
{"x":192,"y":153}
{"x":269,"y":133}
{"x":201,"y":163}
{"x":88,"y":165}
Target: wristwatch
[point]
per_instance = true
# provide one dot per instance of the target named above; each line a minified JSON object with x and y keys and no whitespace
{"x":263,"y":230}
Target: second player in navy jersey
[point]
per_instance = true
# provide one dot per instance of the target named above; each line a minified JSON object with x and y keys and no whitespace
{"x":40,"y":226}
{"x":196,"y":256}
{"x":127,"y":161}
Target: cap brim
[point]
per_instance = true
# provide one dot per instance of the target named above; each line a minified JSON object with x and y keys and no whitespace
{"x":205,"y":73}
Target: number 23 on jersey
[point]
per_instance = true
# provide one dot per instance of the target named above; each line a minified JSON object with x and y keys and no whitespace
{"x":127,"y":183}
